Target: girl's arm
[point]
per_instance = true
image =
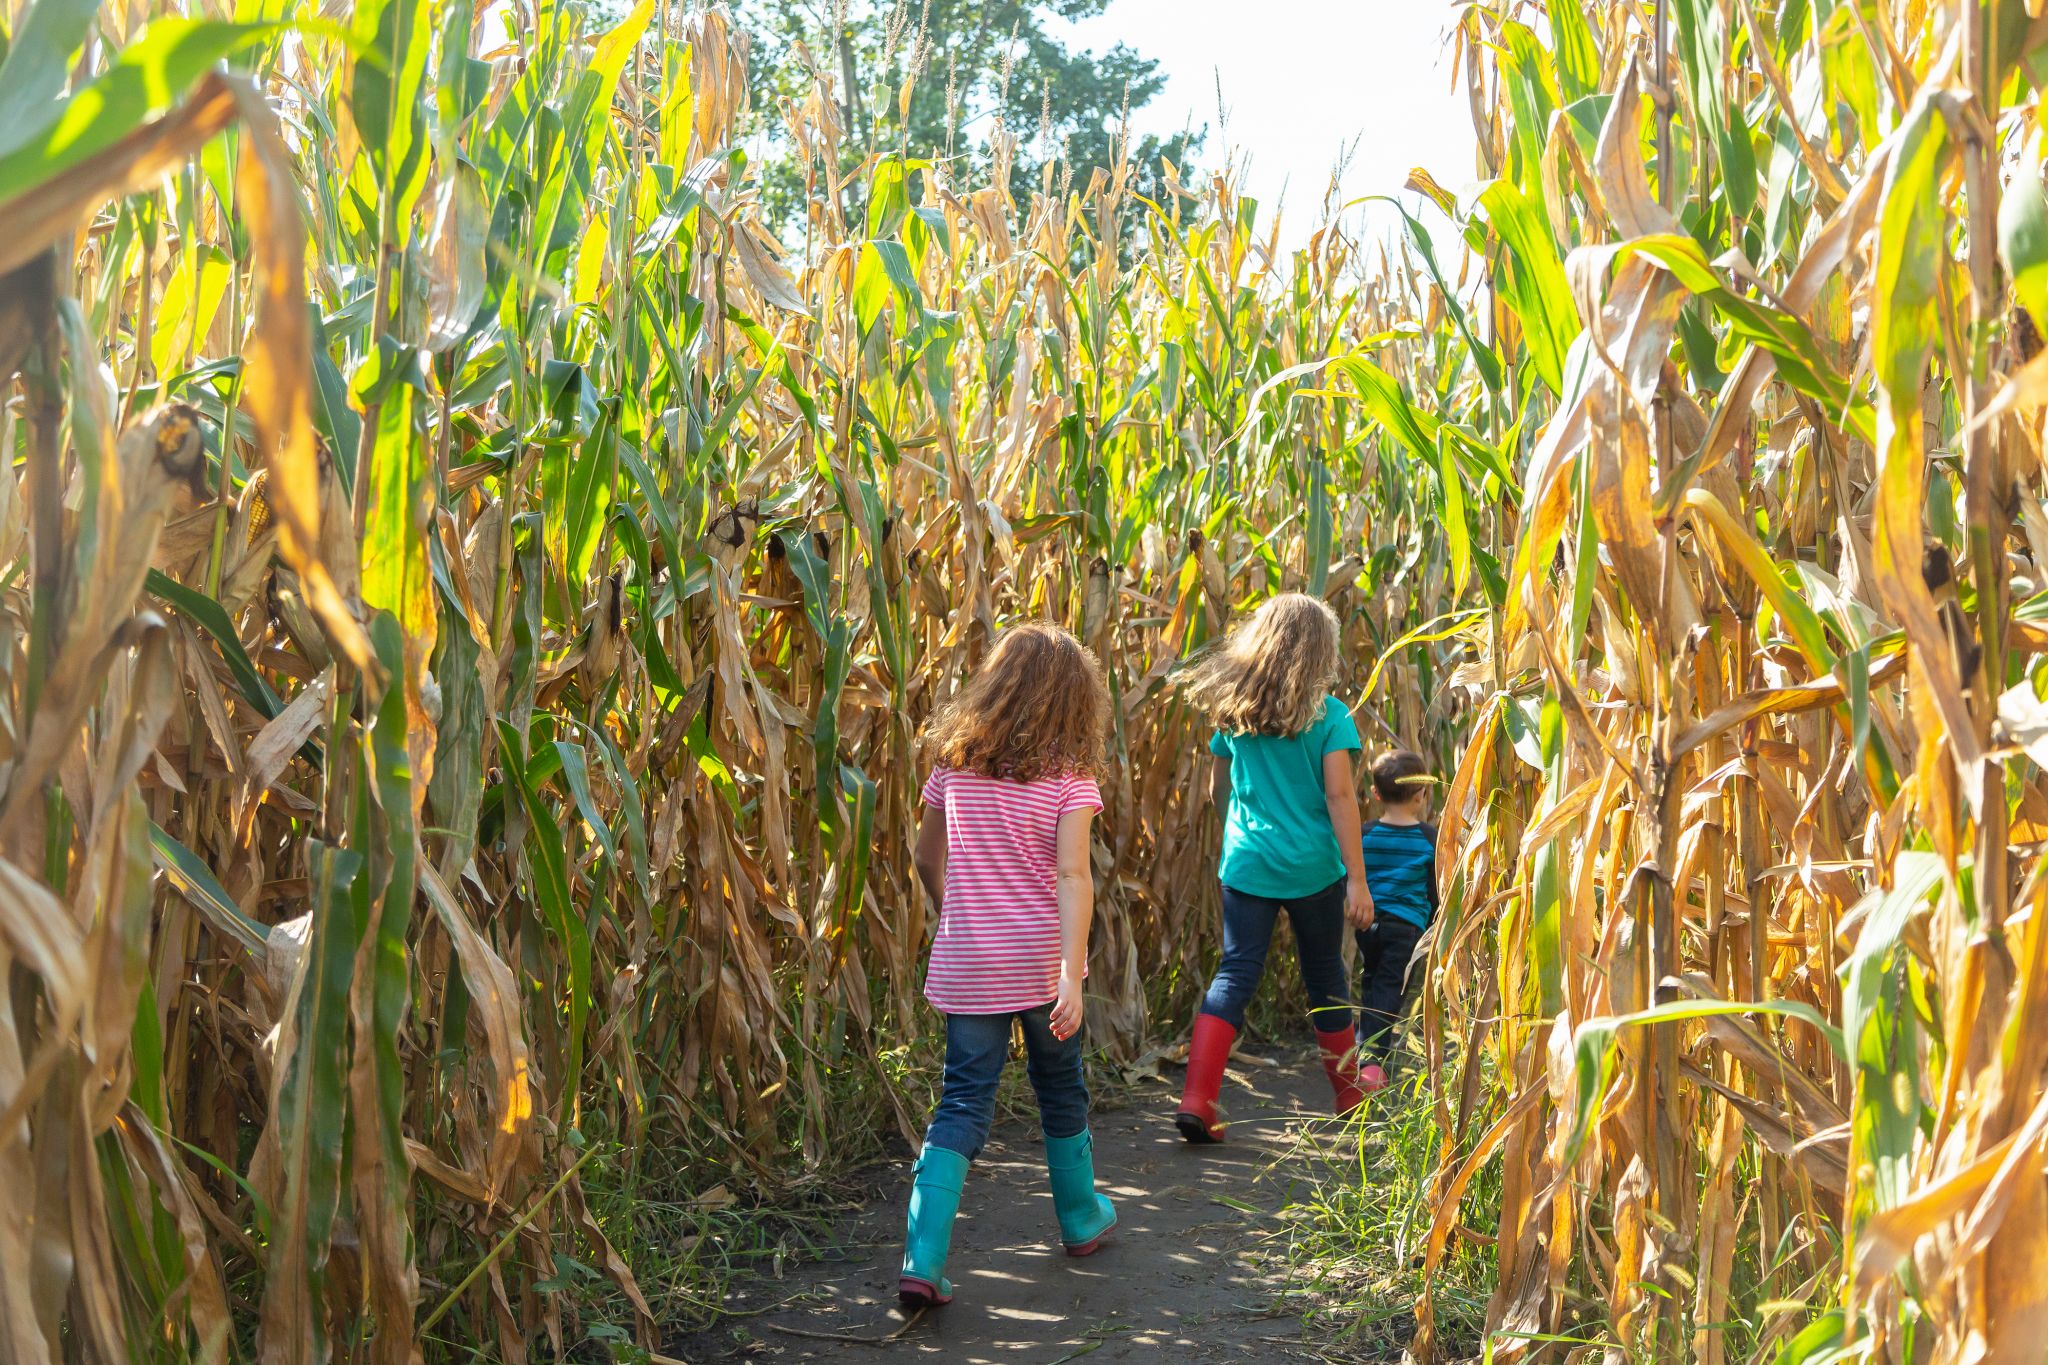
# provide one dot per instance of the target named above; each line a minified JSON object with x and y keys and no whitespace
{"x":1075,"y":884}
{"x":1340,"y":794}
{"x":931,"y":854}
{"x":1219,"y":783}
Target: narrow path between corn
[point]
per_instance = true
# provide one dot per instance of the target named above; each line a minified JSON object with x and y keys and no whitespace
{"x":1188,"y":1277}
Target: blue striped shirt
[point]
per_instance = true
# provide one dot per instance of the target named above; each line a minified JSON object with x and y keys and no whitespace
{"x":1400,"y":871}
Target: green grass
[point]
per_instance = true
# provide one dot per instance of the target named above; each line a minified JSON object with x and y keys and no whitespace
{"x":1356,"y":1234}
{"x":1354,"y":1244}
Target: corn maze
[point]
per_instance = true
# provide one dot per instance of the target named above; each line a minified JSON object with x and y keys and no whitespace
{"x":471,"y":584}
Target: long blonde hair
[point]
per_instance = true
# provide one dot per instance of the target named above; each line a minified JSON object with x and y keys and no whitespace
{"x":1270,"y":676}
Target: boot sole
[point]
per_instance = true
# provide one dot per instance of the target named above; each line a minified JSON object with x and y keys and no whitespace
{"x":1093,"y":1244}
{"x":913,"y":1295}
{"x":1198,"y":1133}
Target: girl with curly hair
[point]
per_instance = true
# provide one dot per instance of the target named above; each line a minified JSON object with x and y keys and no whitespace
{"x":1003,"y":849}
{"x":1281,"y":777}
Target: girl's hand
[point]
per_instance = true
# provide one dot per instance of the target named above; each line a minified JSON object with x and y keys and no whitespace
{"x":1067,"y":1009}
{"x":1358,"y":904}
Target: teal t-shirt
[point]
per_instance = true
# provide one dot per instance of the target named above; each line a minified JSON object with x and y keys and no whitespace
{"x":1277,"y":840}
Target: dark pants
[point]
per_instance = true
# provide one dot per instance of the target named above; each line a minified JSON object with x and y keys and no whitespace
{"x":1383,"y":955}
{"x":977,"y":1046}
{"x":1318,"y":936}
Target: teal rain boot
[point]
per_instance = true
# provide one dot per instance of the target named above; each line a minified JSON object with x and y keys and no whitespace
{"x":934,"y":1202}
{"x":1085,"y":1216}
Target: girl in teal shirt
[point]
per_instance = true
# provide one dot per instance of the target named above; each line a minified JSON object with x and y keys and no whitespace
{"x":1281,"y":775}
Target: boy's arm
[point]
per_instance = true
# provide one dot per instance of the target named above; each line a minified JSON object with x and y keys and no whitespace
{"x":1340,"y":795}
{"x":930,"y":856}
{"x":1429,"y":882}
{"x":1219,"y":783}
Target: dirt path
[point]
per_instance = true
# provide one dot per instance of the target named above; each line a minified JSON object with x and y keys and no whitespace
{"x":1184,"y":1280}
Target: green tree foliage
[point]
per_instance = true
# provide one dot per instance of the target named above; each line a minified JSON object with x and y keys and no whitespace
{"x":948,"y":80}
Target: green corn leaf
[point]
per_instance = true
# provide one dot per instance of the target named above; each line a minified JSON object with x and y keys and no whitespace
{"x":1319,"y":525}
{"x":1483,"y":357}
{"x":2023,"y":240}
{"x":1820,"y":1342}
{"x":1781,"y":591}
{"x":888,"y":196}
{"x":1882,"y":1035}
{"x":454,"y":793}
{"x":1531,"y":90}
{"x":549,"y":866}
{"x":383,"y":985}
{"x":585,"y":120}
{"x":148,"y":77}
{"x":1491,"y":461}
{"x":190,"y":877}
{"x":576,"y":774}
{"x":1702,"y":35}
{"x":38,"y":62}
{"x":1538,"y":290}
{"x":591,"y":475}
{"x":313,"y":1102}
{"x":1457,"y":527}
{"x":1387,"y":404}
{"x":210,"y":617}
{"x":1801,"y":361}
{"x":1577,"y":56}
{"x":1546,"y":910}
{"x":386,"y":99}
{"x":395,"y":569}
{"x":1593,"y":1048}
{"x":1585,"y":560}
{"x":857,"y":791}
{"x":678,"y":106}
{"x":632,"y":815}
{"x":146,"y":1050}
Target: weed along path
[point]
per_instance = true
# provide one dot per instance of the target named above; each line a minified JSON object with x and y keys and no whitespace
{"x":1190,"y":1275}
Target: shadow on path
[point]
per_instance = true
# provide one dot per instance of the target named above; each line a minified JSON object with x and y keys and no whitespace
{"x":1183,"y":1280}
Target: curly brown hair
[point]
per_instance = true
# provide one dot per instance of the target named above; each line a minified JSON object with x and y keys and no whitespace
{"x":1271,"y":675}
{"x":1037,"y":707}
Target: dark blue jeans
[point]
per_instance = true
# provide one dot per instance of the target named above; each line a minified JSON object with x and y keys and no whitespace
{"x":1384,"y":952}
{"x":977,"y":1045}
{"x":1318,"y":936}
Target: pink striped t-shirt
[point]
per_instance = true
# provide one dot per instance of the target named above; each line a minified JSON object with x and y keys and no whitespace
{"x":998,"y":945}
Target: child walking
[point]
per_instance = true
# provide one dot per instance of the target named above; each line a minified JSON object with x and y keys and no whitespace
{"x":1400,"y":868}
{"x":1281,"y":774}
{"x":1003,"y":848}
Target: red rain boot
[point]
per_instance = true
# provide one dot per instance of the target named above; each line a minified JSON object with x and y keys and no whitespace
{"x":1340,"y":1064}
{"x":1208,"y":1052}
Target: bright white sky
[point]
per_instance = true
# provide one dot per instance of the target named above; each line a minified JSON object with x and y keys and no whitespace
{"x":1302,"y":80}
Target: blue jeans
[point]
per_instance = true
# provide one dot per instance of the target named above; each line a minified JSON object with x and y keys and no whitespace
{"x":977,"y":1045}
{"x":1318,"y":936}
{"x":1384,"y":952}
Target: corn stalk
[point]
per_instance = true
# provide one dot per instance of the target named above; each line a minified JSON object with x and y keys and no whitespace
{"x":1742,"y":954}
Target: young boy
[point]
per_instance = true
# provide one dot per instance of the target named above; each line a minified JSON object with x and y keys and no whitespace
{"x":1400,"y":871}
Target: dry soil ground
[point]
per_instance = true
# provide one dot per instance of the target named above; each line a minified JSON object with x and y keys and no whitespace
{"x":1188,"y":1277}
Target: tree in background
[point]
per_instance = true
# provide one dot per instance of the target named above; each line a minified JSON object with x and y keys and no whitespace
{"x":951,"y":81}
